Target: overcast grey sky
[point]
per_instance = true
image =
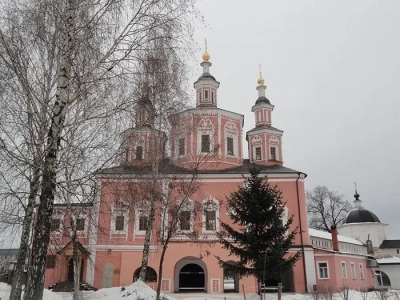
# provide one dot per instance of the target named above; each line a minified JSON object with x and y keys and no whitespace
{"x":332,"y":70}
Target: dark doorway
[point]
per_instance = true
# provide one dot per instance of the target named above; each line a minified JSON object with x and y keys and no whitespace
{"x":191,"y":277}
{"x":71,"y":270}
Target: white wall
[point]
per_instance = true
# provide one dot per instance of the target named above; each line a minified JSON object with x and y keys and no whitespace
{"x":360,"y":231}
{"x":393,"y":271}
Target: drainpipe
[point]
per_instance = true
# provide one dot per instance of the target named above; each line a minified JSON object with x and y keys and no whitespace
{"x":301,"y":231}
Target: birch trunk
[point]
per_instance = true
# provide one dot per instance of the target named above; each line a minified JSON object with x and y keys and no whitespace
{"x":146,"y":246}
{"x":34,"y":289}
{"x":76,"y":261}
{"x":160,"y":270}
{"x":17,"y":282}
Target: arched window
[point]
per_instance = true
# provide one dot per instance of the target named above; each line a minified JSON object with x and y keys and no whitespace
{"x":151,"y":275}
{"x":212,"y":97}
{"x":206,"y":95}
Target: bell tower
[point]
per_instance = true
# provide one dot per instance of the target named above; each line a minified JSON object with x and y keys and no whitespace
{"x":264,"y":141}
{"x":143,"y":144}
{"x":206,"y":86}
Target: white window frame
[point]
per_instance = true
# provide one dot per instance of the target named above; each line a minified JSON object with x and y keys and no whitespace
{"x":274,"y":143}
{"x":362,"y":276}
{"x":189,"y":206}
{"x":210,"y":207}
{"x":60,"y":227}
{"x":114,"y":214}
{"x":344,"y":269}
{"x":58,"y":214}
{"x":276,"y":152}
{"x":231,"y":131}
{"x":256,"y":141}
{"x":83,"y":215}
{"x":353,"y":270}
{"x":181,"y":136}
{"x":205,"y":127}
{"x":327,"y":270}
{"x":255,"y":152}
{"x":141,"y":209}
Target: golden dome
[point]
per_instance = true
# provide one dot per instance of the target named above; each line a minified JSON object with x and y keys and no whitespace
{"x":206,"y":56}
{"x":260,"y":80}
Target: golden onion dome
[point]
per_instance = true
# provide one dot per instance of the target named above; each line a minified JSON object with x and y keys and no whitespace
{"x":206,"y":56}
{"x":260,"y":80}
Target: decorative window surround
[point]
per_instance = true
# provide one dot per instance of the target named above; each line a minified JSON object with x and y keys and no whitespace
{"x":362,"y":276}
{"x":231,"y":131}
{"x":205,"y":127}
{"x":186,"y":207}
{"x":119,"y":208}
{"x":256,"y":142}
{"x":274,"y":144}
{"x":353,"y":270}
{"x":323,"y":270}
{"x":141,"y":209}
{"x":210,"y":204}
{"x":59,"y":214}
{"x":344,"y":269}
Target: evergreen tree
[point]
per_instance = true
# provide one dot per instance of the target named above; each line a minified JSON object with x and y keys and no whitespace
{"x":258,"y":236}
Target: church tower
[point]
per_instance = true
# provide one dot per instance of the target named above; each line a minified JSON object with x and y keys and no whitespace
{"x":206,"y":86}
{"x":144,"y":109}
{"x":264,"y":141}
{"x":143,"y":144}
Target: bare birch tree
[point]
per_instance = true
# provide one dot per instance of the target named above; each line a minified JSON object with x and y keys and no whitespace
{"x":55,"y":38}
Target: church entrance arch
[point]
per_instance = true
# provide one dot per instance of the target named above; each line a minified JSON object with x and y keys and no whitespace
{"x":190,"y":275}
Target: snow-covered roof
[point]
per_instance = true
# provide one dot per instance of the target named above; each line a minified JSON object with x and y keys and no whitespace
{"x":327,"y":236}
{"x":388,"y":260}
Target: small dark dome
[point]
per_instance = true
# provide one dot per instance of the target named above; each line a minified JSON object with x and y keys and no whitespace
{"x":262,"y":99}
{"x":361,"y":215}
{"x":206,"y":76}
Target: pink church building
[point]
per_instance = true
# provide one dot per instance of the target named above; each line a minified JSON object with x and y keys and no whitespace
{"x":111,"y":232}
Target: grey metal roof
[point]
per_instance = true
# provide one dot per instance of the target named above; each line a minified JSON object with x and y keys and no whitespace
{"x":9,"y":251}
{"x":206,"y":75}
{"x":390,"y":244}
{"x":167,"y":166}
{"x":257,"y":128}
{"x":262,"y":99}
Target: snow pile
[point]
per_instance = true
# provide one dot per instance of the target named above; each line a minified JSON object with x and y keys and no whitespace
{"x":138,"y":291}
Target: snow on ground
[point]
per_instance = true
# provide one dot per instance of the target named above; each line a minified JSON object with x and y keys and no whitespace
{"x":136,"y":291}
{"x":47,"y":295}
{"x":140,"y":291}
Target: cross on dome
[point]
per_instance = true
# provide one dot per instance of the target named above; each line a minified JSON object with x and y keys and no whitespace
{"x":206,"y":56}
{"x":260,"y":80}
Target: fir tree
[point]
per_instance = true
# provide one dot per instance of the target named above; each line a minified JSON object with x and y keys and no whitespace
{"x":258,"y":237}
